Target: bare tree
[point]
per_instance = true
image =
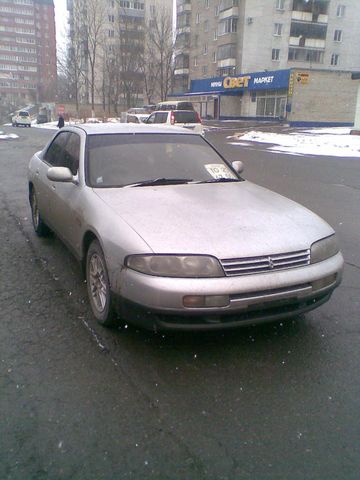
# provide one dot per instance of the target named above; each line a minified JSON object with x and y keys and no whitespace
{"x":159,"y":53}
{"x":70,"y":75}
{"x":92,"y":33}
{"x":126,"y":60}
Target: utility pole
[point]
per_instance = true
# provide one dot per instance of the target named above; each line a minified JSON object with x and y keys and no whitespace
{"x":356,"y":130}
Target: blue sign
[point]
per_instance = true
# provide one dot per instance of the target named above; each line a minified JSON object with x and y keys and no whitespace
{"x":239,"y":83}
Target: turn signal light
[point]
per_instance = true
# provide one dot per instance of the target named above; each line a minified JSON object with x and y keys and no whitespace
{"x":206,"y":301}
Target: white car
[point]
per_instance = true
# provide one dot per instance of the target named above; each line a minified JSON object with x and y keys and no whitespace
{"x":137,"y":115}
{"x":171,"y":236}
{"x":180,"y":118}
{"x":21,"y":118}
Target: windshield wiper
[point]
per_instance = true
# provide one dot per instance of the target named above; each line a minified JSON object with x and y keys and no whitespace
{"x":160,"y":181}
{"x":219,"y":180}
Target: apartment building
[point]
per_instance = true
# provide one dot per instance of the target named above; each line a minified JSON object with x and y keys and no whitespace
{"x":114,"y":73}
{"x":252,"y":58}
{"x":27,"y":52}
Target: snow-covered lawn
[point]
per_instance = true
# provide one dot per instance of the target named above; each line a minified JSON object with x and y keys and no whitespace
{"x":335,"y":141}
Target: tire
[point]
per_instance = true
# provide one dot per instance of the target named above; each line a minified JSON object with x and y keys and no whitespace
{"x":98,"y":286}
{"x":41,"y":229}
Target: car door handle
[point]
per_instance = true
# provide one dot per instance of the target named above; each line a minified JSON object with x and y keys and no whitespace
{"x":53,"y":187}
{"x":37,"y":172}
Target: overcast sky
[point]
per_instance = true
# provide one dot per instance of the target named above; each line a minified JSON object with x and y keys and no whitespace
{"x":61,"y":24}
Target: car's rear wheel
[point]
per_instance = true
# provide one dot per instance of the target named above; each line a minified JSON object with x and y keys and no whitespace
{"x":98,"y":285}
{"x":41,"y":229}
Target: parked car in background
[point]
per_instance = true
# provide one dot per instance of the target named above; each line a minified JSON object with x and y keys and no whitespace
{"x":41,"y":118}
{"x":150,"y":108}
{"x":175,"y":105}
{"x":171,"y":236}
{"x":181,"y":118}
{"x":21,"y":118}
{"x":137,"y":115}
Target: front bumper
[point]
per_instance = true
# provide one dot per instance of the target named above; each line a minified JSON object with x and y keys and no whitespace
{"x":152,"y":301}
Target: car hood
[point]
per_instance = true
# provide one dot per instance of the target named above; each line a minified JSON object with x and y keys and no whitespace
{"x":226,"y":220}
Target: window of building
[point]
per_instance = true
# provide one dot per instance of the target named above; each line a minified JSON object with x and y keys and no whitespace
{"x":197,"y":18}
{"x":215,"y":34}
{"x":340,"y":11}
{"x":111,"y":18}
{"x":229,"y":25}
{"x":206,"y":3}
{"x":111,"y":33}
{"x":275,"y":55}
{"x":224,"y":71}
{"x":206,"y":26}
{"x":280,"y":4}
{"x":216,"y":11}
{"x":226,"y":51}
{"x":214,"y":57}
{"x":152,"y":10}
{"x":204,"y":70}
{"x":196,"y":40}
{"x":305,"y":55}
{"x":205,"y":49}
{"x":195,"y":62}
{"x":277,"y":29}
{"x":335,"y":59}
{"x":338,"y":35}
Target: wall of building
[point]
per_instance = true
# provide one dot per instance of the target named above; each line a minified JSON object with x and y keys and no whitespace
{"x":325,"y":97}
{"x":230,"y":106}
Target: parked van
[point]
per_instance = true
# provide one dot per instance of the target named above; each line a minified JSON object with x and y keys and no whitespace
{"x":174,"y":105}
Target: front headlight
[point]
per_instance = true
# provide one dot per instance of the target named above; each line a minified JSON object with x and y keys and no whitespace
{"x":185,"y":266}
{"x":323,"y":249}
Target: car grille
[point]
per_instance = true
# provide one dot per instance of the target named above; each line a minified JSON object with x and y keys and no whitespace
{"x":268,"y":263}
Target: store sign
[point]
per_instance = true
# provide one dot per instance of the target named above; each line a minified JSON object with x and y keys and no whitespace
{"x":232,"y":84}
{"x":302,"y":78}
{"x":236,"y":82}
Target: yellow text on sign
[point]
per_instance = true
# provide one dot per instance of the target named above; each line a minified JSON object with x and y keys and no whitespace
{"x":236,"y":82}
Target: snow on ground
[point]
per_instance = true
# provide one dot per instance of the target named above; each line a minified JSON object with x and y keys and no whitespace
{"x":335,"y":141}
{"x":7,"y":136}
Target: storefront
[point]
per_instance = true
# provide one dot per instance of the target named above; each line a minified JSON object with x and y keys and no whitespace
{"x":299,"y":96}
{"x":260,"y":95}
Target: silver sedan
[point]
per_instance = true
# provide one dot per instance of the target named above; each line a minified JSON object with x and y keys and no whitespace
{"x":171,"y":236}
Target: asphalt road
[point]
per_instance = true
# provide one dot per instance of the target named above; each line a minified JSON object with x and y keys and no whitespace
{"x":277,"y":401}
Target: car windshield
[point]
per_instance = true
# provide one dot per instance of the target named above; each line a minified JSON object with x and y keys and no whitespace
{"x":118,"y":160}
{"x":24,"y":114}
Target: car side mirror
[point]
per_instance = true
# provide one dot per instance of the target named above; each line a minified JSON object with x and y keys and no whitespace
{"x":238,"y":166}
{"x":60,"y":174}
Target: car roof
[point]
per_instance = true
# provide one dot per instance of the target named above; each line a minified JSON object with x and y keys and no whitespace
{"x":111,"y":128}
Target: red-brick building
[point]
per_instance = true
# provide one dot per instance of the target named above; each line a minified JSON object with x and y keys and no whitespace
{"x":27,"y":52}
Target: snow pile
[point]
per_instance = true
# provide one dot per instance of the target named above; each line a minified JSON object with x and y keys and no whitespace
{"x":8,"y":136}
{"x":49,"y":125}
{"x":323,"y":141}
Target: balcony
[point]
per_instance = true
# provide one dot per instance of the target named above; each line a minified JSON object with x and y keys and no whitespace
{"x":181,"y":71}
{"x":231,"y":12}
{"x":227,"y":62}
{"x":309,"y":17}
{"x":184,"y":7}
{"x":184,"y":29}
{"x":307,"y":42}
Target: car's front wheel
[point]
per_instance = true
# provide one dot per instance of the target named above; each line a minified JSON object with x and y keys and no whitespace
{"x":41,"y":229}
{"x":98,"y":285}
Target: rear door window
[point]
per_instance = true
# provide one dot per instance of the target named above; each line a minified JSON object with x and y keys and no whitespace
{"x":185,"y":117}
